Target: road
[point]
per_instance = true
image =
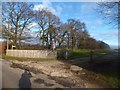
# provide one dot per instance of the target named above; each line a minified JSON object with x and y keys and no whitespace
{"x":13,"y":77}
{"x":19,"y":78}
{"x":10,"y":76}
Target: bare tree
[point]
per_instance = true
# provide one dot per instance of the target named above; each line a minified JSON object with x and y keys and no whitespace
{"x":110,"y":12}
{"x":53,"y":23}
{"x":42,"y":21}
{"x":49,"y":24}
{"x":75,"y":28}
{"x":61,"y":34}
{"x":16,"y":18}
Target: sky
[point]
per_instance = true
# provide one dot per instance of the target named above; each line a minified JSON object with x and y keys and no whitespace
{"x":86,"y":12}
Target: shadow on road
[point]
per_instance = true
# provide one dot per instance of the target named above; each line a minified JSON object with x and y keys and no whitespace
{"x":24,"y":81}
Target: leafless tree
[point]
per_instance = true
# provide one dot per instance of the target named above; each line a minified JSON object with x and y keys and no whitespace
{"x":110,"y":12}
{"x":49,"y":24}
{"x":75,"y":29}
{"x":17,"y":16}
{"x":42,"y":21}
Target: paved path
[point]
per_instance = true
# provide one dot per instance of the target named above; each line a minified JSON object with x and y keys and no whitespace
{"x":10,"y":76}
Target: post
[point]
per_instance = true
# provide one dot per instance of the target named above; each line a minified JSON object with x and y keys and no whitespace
{"x":66,"y":54}
{"x":91,"y":55}
{"x":13,"y":47}
{"x":72,"y":43}
{"x":7,"y":43}
{"x":53,"y":45}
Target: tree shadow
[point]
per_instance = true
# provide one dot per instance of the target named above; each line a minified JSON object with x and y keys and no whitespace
{"x":107,"y":66}
{"x":24,"y":82}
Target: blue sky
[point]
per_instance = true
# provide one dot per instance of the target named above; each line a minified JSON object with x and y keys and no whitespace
{"x":85,"y":12}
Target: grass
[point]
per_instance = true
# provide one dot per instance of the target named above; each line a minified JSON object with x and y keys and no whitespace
{"x":111,"y":78}
{"x":114,"y":81}
{"x":101,"y":52}
{"x":79,"y":53}
{"x":25,"y":58}
{"x":86,"y":53}
{"x":107,"y":72}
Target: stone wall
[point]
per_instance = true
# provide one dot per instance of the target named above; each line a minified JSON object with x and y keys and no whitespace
{"x":3,"y":46}
{"x":32,"y":53}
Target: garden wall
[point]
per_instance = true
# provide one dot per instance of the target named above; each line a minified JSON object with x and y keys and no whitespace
{"x":32,"y":53}
{"x":3,"y":46}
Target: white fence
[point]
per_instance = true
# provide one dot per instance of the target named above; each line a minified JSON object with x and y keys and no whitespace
{"x":32,"y":53}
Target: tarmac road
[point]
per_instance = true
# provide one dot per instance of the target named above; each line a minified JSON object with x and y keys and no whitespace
{"x":13,"y":77}
{"x":10,"y":76}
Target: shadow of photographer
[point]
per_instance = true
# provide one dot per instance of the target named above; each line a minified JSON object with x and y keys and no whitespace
{"x":24,"y":82}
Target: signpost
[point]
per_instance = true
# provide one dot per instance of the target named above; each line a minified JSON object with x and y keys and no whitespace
{"x":7,"y":43}
{"x":53,"y":45}
{"x":66,"y":54}
{"x":13,"y":47}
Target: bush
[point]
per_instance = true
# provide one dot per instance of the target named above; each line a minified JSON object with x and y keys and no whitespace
{"x":63,"y":54}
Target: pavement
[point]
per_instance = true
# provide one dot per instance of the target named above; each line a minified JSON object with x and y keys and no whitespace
{"x":10,"y":76}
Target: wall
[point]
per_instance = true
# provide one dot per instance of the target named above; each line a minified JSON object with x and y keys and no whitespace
{"x":3,"y":46}
{"x":32,"y":53}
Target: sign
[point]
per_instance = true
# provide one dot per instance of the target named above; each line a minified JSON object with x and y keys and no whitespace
{"x":53,"y":45}
{"x":13,"y":47}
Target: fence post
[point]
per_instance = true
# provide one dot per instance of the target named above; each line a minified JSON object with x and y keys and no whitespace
{"x":91,"y":55}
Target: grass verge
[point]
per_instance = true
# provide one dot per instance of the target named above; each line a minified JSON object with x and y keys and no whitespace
{"x":25,"y":58}
{"x":86,"y":53}
{"x":106,"y":72}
